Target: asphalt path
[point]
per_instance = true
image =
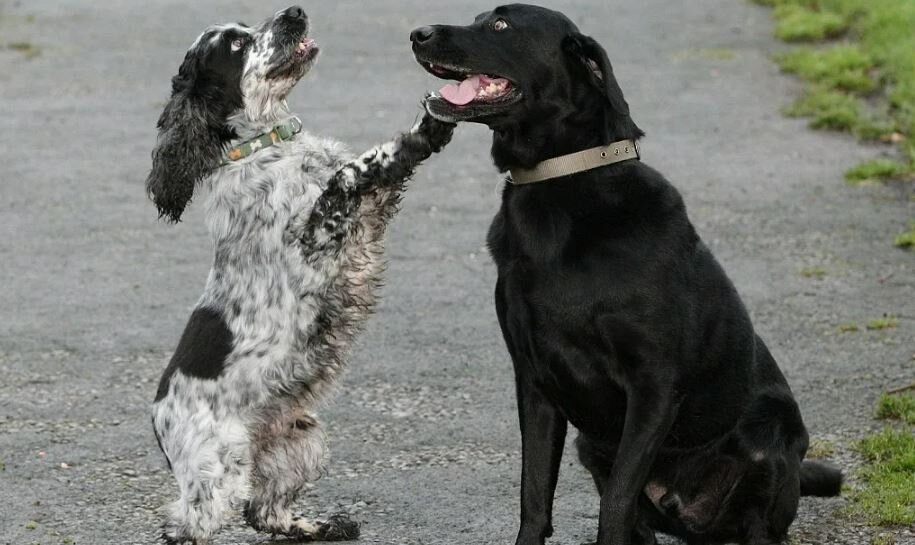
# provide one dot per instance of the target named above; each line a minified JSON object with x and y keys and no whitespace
{"x":94,"y":292}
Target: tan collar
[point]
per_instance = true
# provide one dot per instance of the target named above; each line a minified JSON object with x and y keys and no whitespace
{"x":577,"y":162}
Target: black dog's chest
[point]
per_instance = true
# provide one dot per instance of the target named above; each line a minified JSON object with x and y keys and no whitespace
{"x":551,"y":334}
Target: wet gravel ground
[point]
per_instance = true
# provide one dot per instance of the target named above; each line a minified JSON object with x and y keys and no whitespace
{"x":425,"y":447}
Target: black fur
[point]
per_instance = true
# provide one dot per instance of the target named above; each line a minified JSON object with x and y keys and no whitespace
{"x":618,"y":318}
{"x":819,"y":479}
{"x":338,"y":528}
{"x":202,"y":350}
{"x":192,"y":129}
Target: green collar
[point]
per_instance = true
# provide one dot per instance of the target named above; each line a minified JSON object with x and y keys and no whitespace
{"x":282,"y":132}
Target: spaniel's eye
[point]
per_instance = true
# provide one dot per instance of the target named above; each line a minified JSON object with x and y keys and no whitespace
{"x":500,"y":25}
{"x":237,"y":44}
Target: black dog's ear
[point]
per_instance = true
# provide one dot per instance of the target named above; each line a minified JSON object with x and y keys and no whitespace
{"x":590,"y":59}
{"x":190,"y":146}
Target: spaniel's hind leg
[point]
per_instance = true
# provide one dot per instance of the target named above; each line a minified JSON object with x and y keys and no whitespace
{"x":199,"y":513}
{"x":288,"y":452}
{"x":207,"y":460}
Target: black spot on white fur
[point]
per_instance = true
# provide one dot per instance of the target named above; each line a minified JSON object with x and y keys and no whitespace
{"x":202,"y":350}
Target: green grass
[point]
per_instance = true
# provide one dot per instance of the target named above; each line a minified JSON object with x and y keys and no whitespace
{"x":883,"y":539}
{"x":907,"y":238}
{"x":797,"y":23}
{"x":849,"y":327}
{"x":879,"y":56}
{"x":827,"y":109}
{"x":844,"y":67}
{"x":814,"y":272}
{"x":886,"y":322}
{"x":863,"y":83}
{"x":897,"y":407}
{"x":888,"y":495}
{"x":28,"y":49}
{"x":878,"y":169}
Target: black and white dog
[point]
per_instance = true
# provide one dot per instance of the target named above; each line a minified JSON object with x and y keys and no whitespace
{"x":618,"y":318}
{"x":298,"y":225}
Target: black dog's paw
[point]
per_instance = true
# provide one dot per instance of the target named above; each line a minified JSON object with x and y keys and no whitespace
{"x":670,"y":503}
{"x":641,"y":535}
{"x":437,"y":133}
{"x":338,"y":528}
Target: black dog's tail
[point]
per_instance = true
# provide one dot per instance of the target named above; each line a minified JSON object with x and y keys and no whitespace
{"x":819,"y":479}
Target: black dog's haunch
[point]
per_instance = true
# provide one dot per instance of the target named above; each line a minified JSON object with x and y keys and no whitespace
{"x":618,"y":318}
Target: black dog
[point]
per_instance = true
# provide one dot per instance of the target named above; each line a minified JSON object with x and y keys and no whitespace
{"x":618,"y":318}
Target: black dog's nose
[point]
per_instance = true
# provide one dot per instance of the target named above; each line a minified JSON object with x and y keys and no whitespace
{"x":422,"y":34}
{"x":295,"y":12}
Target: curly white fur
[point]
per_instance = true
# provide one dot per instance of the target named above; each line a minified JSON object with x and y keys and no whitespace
{"x":298,"y":231}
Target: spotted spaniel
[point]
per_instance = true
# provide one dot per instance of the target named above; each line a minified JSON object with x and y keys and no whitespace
{"x":298,"y":225}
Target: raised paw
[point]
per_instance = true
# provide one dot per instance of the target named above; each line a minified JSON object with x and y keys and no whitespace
{"x":437,"y":133}
{"x":433,"y":106}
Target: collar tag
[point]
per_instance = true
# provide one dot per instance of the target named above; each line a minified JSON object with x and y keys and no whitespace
{"x":574,"y":163}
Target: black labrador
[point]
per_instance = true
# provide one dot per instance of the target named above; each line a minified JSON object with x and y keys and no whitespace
{"x":618,"y":318}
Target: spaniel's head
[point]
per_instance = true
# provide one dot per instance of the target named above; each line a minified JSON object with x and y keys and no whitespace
{"x":232,"y":75}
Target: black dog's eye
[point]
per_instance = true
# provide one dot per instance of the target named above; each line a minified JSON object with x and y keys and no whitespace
{"x":499,"y":25}
{"x":238,"y":43}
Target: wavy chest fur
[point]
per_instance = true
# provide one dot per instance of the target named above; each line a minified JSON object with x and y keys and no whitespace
{"x":270,"y":298}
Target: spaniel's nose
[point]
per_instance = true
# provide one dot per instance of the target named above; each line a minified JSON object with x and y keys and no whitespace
{"x":295,"y":12}
{"x":422,"y":35}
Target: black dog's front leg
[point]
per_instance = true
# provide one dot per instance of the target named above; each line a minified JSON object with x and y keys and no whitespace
{"x":389,"y":165}
{"x":543,"y":432}
{"x":650,"y":411}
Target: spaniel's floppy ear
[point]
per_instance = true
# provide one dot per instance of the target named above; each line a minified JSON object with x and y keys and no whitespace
{"x":190,"y":146}
{"x":590,"y":60}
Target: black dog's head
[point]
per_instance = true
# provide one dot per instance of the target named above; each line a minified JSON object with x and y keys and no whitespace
{"x":520,"y":67}
{"x":232,"y":76}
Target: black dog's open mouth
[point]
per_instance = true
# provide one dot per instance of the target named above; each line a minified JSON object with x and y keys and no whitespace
{"x":475,"y":95}
{"x":297,"y":57}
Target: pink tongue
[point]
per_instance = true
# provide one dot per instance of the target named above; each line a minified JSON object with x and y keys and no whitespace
{"x":462,"y":94}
